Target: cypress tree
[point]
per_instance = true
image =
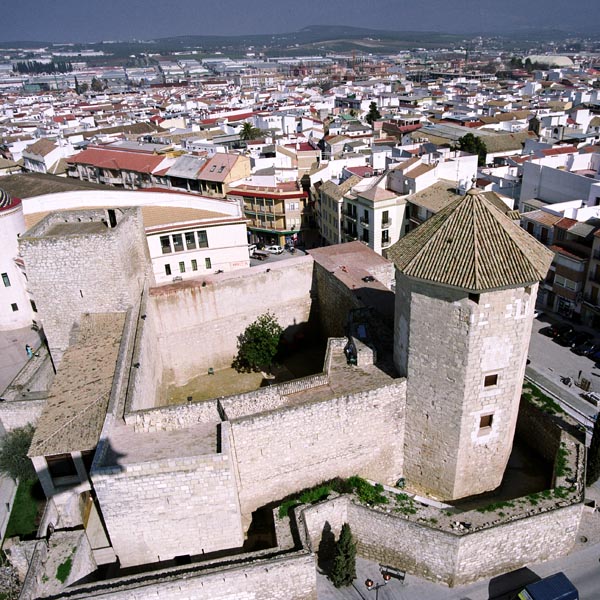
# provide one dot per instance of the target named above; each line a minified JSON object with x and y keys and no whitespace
{"x":343,"y":572}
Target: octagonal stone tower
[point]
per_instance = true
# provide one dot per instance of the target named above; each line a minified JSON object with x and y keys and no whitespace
{"x":466,"y":283}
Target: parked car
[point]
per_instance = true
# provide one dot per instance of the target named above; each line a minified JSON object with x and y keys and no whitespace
{"x":586,"y":348}
{"x":573,"y":338}
{"x":274,"y":249}
{"x":556,"y":329}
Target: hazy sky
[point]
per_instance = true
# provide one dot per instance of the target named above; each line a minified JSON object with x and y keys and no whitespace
{"x":96,"y":20}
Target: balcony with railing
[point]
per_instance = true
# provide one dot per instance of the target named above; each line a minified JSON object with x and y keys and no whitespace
{"x":386,"y":224}
{"x":364,"y":222}
{"x":386,"y":243}
{"x":349,"y":215}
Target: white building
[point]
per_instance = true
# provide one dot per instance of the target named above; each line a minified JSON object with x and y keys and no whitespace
{"x":16,"y":307}
{"x":188,"y":235}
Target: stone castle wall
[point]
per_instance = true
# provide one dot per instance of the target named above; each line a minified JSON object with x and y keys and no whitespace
{"x":145,"y":386}
{"x":450,"y":453}
{"x":197,"y":325}
{"x":447,"y":557}
{"x":144,"y":504}
{"x":335,"y":301}
{"x":289,"y":577}
{"x":284,"y":451}
{"x":81,"y":272}
{"x":18,"y":413}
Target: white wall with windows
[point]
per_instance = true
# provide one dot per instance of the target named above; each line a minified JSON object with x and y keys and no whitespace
{"x":16,"y":308}
{"x":198,"y":250}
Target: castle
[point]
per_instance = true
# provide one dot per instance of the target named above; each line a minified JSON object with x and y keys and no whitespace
{"x":432,"y":402}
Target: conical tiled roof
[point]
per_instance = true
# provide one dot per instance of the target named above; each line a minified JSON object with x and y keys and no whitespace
{"x":471,"y":245}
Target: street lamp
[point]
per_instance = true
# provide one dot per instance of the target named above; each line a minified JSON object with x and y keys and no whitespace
{"x":372,"y":586}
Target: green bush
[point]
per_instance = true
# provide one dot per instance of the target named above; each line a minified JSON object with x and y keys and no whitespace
{"x":258,"y":345}
{"x":64,"y":569}
{"x":14,"y":461}
{"x":367,"y":493}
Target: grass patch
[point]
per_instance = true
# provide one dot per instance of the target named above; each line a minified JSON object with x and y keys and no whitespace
{"x":496,"y":506}
{"x":533,"y":394}
{"x":405,"y":505}
{"x":23,"y":516}
{"x":561,"y":492}
{"x":561,"y":461}
{"x":64,"y":569}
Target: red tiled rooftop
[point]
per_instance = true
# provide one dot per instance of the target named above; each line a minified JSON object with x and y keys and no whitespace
{"x":118,"y":159}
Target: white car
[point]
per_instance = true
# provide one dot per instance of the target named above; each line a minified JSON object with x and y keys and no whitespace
{"x":274,"y":249}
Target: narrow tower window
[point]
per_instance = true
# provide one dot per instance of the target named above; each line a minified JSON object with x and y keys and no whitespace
{"x":485,"y":421}
{"x":490,"y":380}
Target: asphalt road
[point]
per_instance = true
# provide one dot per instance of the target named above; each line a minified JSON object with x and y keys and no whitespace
{"x":550,"y":361}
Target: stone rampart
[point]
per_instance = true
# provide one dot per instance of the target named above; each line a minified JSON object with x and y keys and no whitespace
{"x":169,"y":418}
{"x":284,"y":451}
{"x":445,"y":556}
{"x":147,"y":367}
{"x":197,"y":322}
{"x":143,"y":504}
{"x":287,"y":577}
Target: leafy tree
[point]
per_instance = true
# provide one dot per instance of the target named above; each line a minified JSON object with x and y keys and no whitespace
{"x":473,"y":145}
{"x":249,"y":132}
{"x":343,"y":572}
{"x":14,"y":461}
{"x":373,"y":114}
{"x":593,"y":456}
{"x":97,"y":85}
{"x":258,"y":345}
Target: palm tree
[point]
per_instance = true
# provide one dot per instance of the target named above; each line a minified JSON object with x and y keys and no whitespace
{"x":249,"y":132}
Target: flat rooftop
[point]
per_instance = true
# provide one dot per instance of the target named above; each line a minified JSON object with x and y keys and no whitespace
{"x":77,"y":228}
{"x":128,"y":447}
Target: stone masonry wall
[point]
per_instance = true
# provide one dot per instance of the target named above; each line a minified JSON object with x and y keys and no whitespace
{"x":285,"y":451}
{"x":146,"y":379}
{"x":443,"y":556}
{"x":536,"y":428}
{"x":335,"y":301}
{"x":284,"y":578}
{"x":143,"y":504}
{"x":17,"y":413}
{"x":198,"y":322}
{"x":453,"y":343}
{"x":70,"y":274}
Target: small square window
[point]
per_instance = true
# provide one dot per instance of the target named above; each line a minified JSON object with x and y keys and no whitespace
{"x":14,"y":307}
{"x":5,"y":280}
{"x":182,"y":267}
{"x":194,"y":264}
{"x":490,"y":380}
{"x":485,"y":421}
{"x":207,"y":263}
{"x":167,"y":269}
